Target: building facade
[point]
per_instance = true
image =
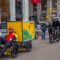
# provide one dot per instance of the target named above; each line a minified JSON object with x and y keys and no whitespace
{"x":4,"y":9}
{"x":45,"y":10}
{"x":14,"y":10}
{"x":21,"y":9}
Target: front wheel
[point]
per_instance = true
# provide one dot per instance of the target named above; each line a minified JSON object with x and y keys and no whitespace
{"x":57,"y":40}
{"x":14,"y":52}
{"x":51,"y":40}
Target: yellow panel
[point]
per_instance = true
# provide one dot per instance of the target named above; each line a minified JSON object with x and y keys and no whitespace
{"x":26,"y":26}
{"x":26,"y":32}
{"x":32,"y":29}
{"x":17,"y":27}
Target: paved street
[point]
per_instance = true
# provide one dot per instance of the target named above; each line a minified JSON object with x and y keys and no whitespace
{"x":42,"y":50}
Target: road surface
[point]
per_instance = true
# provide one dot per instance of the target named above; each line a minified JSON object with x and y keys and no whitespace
{"x":42,"y":50}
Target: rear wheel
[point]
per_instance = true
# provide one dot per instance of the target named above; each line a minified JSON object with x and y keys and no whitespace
{"x":29,"y":47}
{"x":57,"y":40}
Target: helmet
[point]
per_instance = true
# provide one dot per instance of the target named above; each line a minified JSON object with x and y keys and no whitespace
{"x":10,"y":28}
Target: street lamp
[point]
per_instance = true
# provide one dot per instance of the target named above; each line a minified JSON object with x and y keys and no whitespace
{"x":0,"y":15}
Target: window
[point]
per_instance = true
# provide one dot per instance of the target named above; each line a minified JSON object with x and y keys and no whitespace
{"x":44,"y":5}
{"x":3,"y":26}
{"x":54,"y":4}
{"x":18,"y":9}
{"x":43,"y":10}
{"x":34,"y":7}
{"x":5,"y":10}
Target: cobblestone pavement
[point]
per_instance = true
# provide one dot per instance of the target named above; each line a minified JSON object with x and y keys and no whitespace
{"x":42,"y":50}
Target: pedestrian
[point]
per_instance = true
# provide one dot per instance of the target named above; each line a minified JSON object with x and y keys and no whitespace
{"x":43,"y":29}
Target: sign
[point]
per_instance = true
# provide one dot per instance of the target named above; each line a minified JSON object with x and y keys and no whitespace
{"x":35,"y":1}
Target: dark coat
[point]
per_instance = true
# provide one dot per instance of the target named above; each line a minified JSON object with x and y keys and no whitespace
{"x":55,"y":24}
{"x":43,"y":27}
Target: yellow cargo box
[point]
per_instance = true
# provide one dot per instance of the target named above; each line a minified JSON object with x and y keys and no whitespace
{"x":17,"y":27}
{"x":32,"y":29}
{"x":24,"y":30}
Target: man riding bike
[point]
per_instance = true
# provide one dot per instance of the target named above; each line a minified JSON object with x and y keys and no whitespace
{"x":55,"y":25}
{"x":10,"y":37}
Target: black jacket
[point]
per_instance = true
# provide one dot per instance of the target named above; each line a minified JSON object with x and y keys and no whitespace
{"x":55,"y":24}
{"x":50,"y":28}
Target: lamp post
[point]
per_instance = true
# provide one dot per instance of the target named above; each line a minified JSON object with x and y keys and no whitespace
{"x":0,"y":15}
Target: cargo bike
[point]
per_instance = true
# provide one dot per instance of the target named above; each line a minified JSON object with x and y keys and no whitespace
{"x":25,"y":32}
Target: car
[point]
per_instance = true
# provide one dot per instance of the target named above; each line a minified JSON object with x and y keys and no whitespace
{"x":3,"y":29}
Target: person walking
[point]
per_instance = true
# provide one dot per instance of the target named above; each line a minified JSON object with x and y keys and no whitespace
{"x":43,"y":29}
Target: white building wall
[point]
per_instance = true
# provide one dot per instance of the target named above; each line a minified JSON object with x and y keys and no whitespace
{"x":38,"y":11}
{"x":25,"y":10}
{"x":12,"y":10}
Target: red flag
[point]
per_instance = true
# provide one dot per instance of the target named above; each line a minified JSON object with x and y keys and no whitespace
{"x":35,"y":1}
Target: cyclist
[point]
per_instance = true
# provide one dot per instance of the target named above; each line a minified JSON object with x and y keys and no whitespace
{"x":8,"y":41}
{"x":55,"y":25}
